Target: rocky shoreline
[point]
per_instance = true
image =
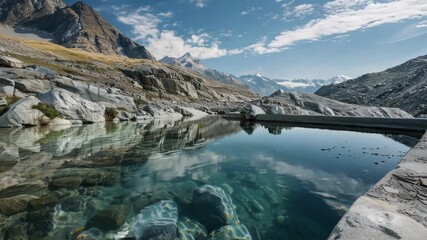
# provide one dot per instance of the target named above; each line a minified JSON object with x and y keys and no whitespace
{"x":396,"y":207}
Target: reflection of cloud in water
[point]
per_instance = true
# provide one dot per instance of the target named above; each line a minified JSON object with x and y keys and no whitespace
{"x":179,"y":165}
{"x":326,"y":184}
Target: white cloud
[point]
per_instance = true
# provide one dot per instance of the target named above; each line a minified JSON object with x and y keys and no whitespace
{"x":300,"y":10}
{"x":169,"y":44}
{"x":344,"y":16}
{"x":422,"y":24}
{"x":164,"y":42}
{"x":200,"y":3}
{"x":251,"y":10}
{"x":345,"y":5}
{"x":143,"y":22}
{"x":260,"y":48}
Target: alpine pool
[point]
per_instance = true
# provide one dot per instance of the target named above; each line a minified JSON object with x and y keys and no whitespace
{"x":194,"y":179}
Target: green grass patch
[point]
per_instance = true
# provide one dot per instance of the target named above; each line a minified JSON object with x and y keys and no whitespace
{"x":47,"y":110}
{"x":122,"y":109}
{"x":139,"y":102}
{"x":10,"y":100}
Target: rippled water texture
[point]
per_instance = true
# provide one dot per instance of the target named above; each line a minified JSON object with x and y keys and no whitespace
{"x":209,"y":178}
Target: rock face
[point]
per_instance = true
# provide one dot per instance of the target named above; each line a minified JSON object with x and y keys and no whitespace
{"x":158,"y":221}
{"x":161,"y":79}
{"x":76,"y":26}
{"x":295,"y":103}
{"x":106,"y":96}
{"x":251,"y":111}
{"x":403,"y":86}
{"x":10,"y":62}
{"x":73,"y":106}
{"x":14,"y":12}
{"x":371,"y":219}
{"x":160,"y":111}
{"x":21,"y":113}
{"x":276,"y":110}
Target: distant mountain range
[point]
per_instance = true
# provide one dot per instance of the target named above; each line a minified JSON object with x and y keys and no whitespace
{"x":75,"y":26}
{"x":403,"y":86}
{"x":310,"y":85}
{"x":189,"y":62}
{"x":261,"y":85}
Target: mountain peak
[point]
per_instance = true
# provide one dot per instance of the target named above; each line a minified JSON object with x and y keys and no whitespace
{"x":80,"y":5}
{"x":187,"y":55}
{"x":258,"y":75}
{"x":77,"y":26}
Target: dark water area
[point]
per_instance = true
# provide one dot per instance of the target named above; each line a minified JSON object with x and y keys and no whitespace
{"x":201,"y":179}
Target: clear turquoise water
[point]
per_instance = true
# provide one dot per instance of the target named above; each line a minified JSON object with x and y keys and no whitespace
{"x":293,"y":185}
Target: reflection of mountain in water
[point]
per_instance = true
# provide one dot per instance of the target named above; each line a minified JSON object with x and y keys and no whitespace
{"x":25,"y":150}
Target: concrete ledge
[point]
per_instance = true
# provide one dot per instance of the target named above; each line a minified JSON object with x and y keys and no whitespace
{"x":412,"y":124}
{"x":396,"y":207}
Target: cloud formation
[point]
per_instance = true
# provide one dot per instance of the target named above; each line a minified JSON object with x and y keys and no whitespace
{"x":200,"y":3}
{"x":163,"y":42}
{"x":345,"y":16}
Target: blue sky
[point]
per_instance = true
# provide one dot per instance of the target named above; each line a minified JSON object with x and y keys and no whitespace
{"x":284,"y":39}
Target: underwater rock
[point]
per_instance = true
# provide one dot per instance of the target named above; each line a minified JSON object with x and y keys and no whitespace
{"x":256,"y":206}
{"x":189,"y":229}
{"x":213,"y":207}
{"x":12,"y":205}
{"x":142,"y":201}
{"x":231,"y":232}
{"x":24,"y":188}
{"x":66,"y":182}
{"x":227,"y":188}
{"x":43,"y":201}
{"x":17,"y":232}
{"x":72,"y":204}
{"x":272,"y":197}
{"x":91,"y":234}
{"x":111,"y":218}
{"x":183,"y":191}
{"x":156,"y":222}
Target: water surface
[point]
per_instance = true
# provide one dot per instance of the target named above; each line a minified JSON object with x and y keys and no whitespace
{"x":286,"y":182}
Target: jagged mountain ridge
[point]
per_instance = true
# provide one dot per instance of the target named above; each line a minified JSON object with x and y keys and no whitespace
{"x":403,"y":86}
{"x":75,"y":26}
{"x":189,"y":62}
{"x":262,"y":85}
{"x":266,"y":86}
{"x":15,"y":12}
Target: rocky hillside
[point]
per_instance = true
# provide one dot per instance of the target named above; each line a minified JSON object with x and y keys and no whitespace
{"x":76,"y":26}
{"x":17,"y":12}
{"x":189,"y":62}
{"x":87,"y":87}
{"x":297,"y":103}
{"x":403,"y":86}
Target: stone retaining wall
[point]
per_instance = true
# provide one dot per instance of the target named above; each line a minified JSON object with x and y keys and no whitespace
{"x":396,"y":207}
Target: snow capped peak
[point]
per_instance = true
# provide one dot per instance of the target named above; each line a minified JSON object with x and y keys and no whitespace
{"x":337,"y":79}
{"x":258,"y":75}
{"x":187,"y":55}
